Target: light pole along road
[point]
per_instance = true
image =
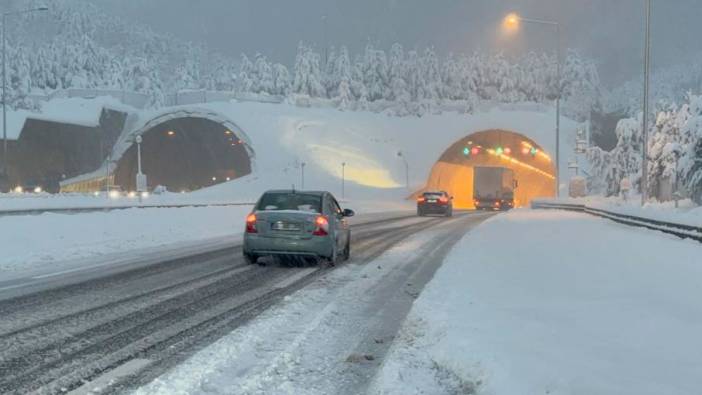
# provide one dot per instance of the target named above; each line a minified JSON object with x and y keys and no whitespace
{"x":644,"y":130}
{"x":511,"y":23}
{"x":3,"y":173}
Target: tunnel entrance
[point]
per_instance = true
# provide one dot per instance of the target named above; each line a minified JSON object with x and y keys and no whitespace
{"x":533,"y":168}
{"x":185,"y":154}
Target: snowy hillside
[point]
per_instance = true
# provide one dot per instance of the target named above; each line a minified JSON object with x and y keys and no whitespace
{"x":284,"y":136}
{"x":76,"y":45}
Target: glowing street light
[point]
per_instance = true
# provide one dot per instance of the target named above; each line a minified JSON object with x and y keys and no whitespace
{"x":512,"y":22}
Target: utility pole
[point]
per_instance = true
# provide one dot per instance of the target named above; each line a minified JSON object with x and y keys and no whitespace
{"x":343,"y":179}
{"x":404,"y":159}
{"x":644,"y":132}
{"x":513,"y":22}
{"x":302,"y":176}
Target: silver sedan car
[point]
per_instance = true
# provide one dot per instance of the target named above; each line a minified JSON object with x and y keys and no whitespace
{"x":289,"y":223}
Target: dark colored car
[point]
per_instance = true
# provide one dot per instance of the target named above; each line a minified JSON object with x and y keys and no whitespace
{"x":435,"y":203}
{"x":289,"y":223}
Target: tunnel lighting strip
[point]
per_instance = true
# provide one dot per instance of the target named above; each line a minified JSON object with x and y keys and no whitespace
{"x":540,"y":152}
{"x":519,"y":163}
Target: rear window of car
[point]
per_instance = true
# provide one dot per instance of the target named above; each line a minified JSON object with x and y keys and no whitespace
{"x":434,"y":195}
{"x":290,"y":201}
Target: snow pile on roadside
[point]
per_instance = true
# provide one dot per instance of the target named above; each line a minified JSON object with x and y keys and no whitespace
{"x":687,"y":212}
{"x":52,"y":240}
{"x":525,"y":304}
{"x":33,"y":241}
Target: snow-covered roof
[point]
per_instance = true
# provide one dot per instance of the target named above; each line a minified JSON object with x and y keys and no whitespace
{"x":75,"y":111}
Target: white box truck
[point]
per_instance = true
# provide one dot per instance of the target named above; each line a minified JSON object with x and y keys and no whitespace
{"x":493,"y":188}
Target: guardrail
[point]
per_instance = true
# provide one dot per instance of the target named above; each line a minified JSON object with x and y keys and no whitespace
{"x":91,"y":209}
{"x":681,"y":230}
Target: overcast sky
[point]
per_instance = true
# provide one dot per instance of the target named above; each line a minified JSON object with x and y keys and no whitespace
{"x":611,"y":31}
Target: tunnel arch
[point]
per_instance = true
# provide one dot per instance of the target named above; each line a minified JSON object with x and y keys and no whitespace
{"x":533,"y":167}
{"x":184,"y":150}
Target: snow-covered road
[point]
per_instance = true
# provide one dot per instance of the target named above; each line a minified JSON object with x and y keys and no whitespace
{"x":551,"y":302}
{"x":328,"y":338}
{"x":81,"y":332}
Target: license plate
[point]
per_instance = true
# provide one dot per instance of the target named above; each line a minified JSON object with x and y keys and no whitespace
{"x":431,"y":201}
{"x":285,"y":226}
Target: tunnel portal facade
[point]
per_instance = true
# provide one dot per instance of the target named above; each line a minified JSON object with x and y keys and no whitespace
{"x":533,"y":168}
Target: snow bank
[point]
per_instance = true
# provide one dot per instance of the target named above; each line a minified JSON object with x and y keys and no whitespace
{"x":687,"y":213}
{"x":51,"y":241}
{"x":525,"y":304}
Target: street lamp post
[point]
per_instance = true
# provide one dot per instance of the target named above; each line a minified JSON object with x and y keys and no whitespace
{"x":326,"y":45}
{"x":644,"y":132}
{"x":302,"y":175}
{"x":141,"y":183}
{"x":404,"y":159}
{"x":512,"y":21}
{"x":3,"y":173}
{"x":343,"y":179}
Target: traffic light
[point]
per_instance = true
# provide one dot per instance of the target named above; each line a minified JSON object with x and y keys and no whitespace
{"x":499,"y":150}
{"x":466,"y":151}
{"x":508,"y":151}
{"x":475,"y":150}
{"x":534,"y":151}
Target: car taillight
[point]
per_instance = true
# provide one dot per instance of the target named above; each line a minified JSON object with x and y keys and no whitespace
{"x":251,"y":224}
{"x":321,"y":224}
{"x":497,"y":204}
{"x":443,"y":200}
{"x":421,"y":199}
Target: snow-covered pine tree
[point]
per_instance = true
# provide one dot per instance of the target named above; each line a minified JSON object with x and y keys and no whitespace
{"x":308,"y":77}
{"x":244,"y":81}
{"x":281,"y":80}
{"x":342,"y":72}
{"x":263,"y":76}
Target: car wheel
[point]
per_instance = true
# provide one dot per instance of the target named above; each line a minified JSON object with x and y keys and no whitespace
{"x":250,"y":258}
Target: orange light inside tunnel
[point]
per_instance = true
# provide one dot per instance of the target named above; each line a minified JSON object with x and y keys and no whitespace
{"x":528,"y":149}
{"x":521,"y":164}
{"x":454,"y":172}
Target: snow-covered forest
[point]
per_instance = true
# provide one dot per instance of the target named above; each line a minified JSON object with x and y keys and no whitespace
{"x":75,"y":45}
{"x":674,"y":152}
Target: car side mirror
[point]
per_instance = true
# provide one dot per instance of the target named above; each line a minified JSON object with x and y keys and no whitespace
{"x":349,"y":213}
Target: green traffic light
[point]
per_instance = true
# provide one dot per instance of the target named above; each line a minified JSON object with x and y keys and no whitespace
{"x":534,"y":151}
{"x":466,"y":151}
{"x":499,"y":150}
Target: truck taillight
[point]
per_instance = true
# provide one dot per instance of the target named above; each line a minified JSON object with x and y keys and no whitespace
{"x":321,"y":224}
{"x":251,"y":223}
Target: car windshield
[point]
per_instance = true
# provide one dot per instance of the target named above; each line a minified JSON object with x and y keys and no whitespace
{"x":290,"y":201}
